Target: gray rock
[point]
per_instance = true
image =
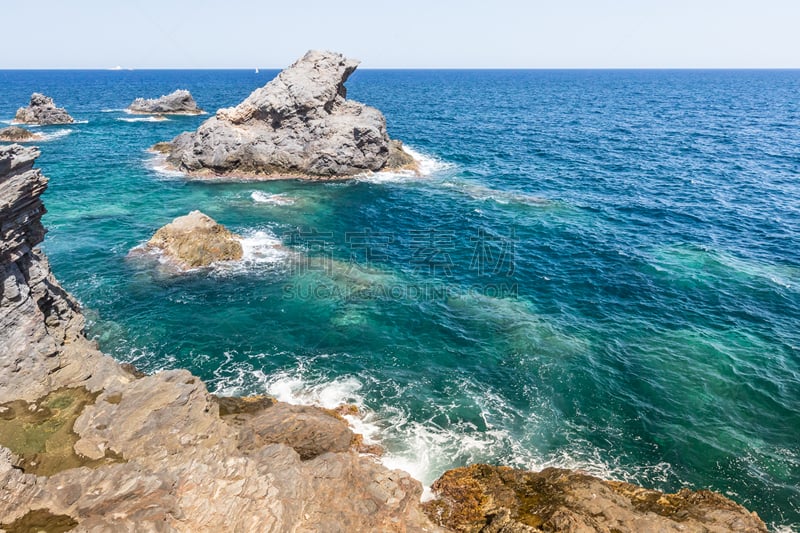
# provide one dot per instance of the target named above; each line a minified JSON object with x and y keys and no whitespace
{"x":179,"y":102}
{"x":298,"y":125}
{"x":43,"y":111}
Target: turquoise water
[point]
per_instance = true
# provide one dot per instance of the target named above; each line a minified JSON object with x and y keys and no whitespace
{"x":599,"y":269}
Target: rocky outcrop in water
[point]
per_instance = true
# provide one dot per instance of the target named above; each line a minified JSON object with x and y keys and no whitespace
{"x":92,"y":445}
{"x":179,"y":102}
{"x":196,"y":240}
{"x":483,"y":498}
{"x":43,"y":111}
{"x":300,"y":124}
{"x":17,"y":134}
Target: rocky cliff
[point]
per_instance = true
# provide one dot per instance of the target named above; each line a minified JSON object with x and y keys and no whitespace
{"x":42,"y":111}
{"x":300,"y":124}
{"x":87,"y":444}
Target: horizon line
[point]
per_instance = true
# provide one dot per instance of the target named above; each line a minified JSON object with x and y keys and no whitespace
{"x":133,"y":69}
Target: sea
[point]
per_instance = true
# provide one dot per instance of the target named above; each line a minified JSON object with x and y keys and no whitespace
{"x":593,"y":269}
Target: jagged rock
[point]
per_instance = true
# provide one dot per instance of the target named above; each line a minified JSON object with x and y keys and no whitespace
{"x":298,"y":125}
{"x":196,"y":240}
{"x":42,"y":110}
{"x":483,"y":498}
{"x":17,"y":134}
{"x":179,"y":102}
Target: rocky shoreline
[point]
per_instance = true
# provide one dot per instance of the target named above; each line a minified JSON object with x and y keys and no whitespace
{"x":88,"y":444}
{"x":42,"y":111}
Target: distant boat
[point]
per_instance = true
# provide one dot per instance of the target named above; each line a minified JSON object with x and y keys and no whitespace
{"x":256,"y":70}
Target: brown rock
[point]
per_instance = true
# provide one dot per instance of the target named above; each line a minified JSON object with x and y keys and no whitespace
{"x":483,"y":498}
{"x":17,"y":134}
{"x":196,"y":240}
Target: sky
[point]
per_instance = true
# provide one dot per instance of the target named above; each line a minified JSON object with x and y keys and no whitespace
{"x":401,"y":34}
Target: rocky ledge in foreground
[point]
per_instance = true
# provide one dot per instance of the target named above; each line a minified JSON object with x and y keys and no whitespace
{"x":179,"y":102}
{"x":483,"y":498}
{"x":19,"y":135}
{"x":298,"y":125}
{"x":42,"y":111}
{"x":196,"y":240}
{"x":92,"y":445}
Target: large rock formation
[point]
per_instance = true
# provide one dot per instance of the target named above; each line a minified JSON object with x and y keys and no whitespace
{"x":90,"y":445}
{"x":196,"y":240}
{"x":483,"y":498}
{"x":179,"y":102}
{"x":300,"y":124}
{"x":17,"y":134}
{"x":43,"y":111}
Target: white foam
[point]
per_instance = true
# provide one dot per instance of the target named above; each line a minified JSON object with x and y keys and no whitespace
{"x":260,"y":197}
{"x":112,"y":110}
{"x":427,"y":165}
{"x":157,"y":163}
{"x":262,"y":247}
{"x":154,"y":118}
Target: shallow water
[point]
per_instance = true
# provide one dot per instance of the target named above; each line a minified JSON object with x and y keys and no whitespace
{"x":599,"y":269}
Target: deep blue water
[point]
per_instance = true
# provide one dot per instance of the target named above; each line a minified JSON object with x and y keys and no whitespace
{"x":600,"y":269}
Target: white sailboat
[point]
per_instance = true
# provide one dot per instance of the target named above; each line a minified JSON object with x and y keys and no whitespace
{"x":256,"y":70}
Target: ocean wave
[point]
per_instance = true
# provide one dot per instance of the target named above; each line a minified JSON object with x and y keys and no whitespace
{"x":483,"y":193}
{"x":260,"y":197}
{"x":153,"y":118}
{"x":157,"y":163}
{"x":112,"y":110}
{"x":427,"y":166}
{"x":424,"y":448}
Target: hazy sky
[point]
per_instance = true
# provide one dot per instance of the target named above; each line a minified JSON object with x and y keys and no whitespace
{"x":401,"y":34}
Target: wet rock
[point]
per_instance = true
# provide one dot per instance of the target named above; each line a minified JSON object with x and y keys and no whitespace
{"x":43,"y":111}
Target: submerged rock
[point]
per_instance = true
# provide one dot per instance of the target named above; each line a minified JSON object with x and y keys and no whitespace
{"x":179,"y":102}
{"x":298,"y":125}
{"x":196,"y":240}
{"x":17,"y":134}
{"x":483,"y":498}
{"x":42,"y":110}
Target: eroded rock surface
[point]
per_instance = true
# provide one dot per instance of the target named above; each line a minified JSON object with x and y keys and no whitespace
{"x":196,"y":240}
{"x":483,"y":498}
{"x":179,"y":102}
{"x":43,"y":111}
{"x":17,"y":134}
{"x":298,"y":125}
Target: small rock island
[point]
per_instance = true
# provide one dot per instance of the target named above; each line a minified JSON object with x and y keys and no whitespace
{"x":15,"y":134}
{"x":43,"y":112}
{"x":179,"y":102}
{"x":300,"y":124}
{"x":196,"y":240}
